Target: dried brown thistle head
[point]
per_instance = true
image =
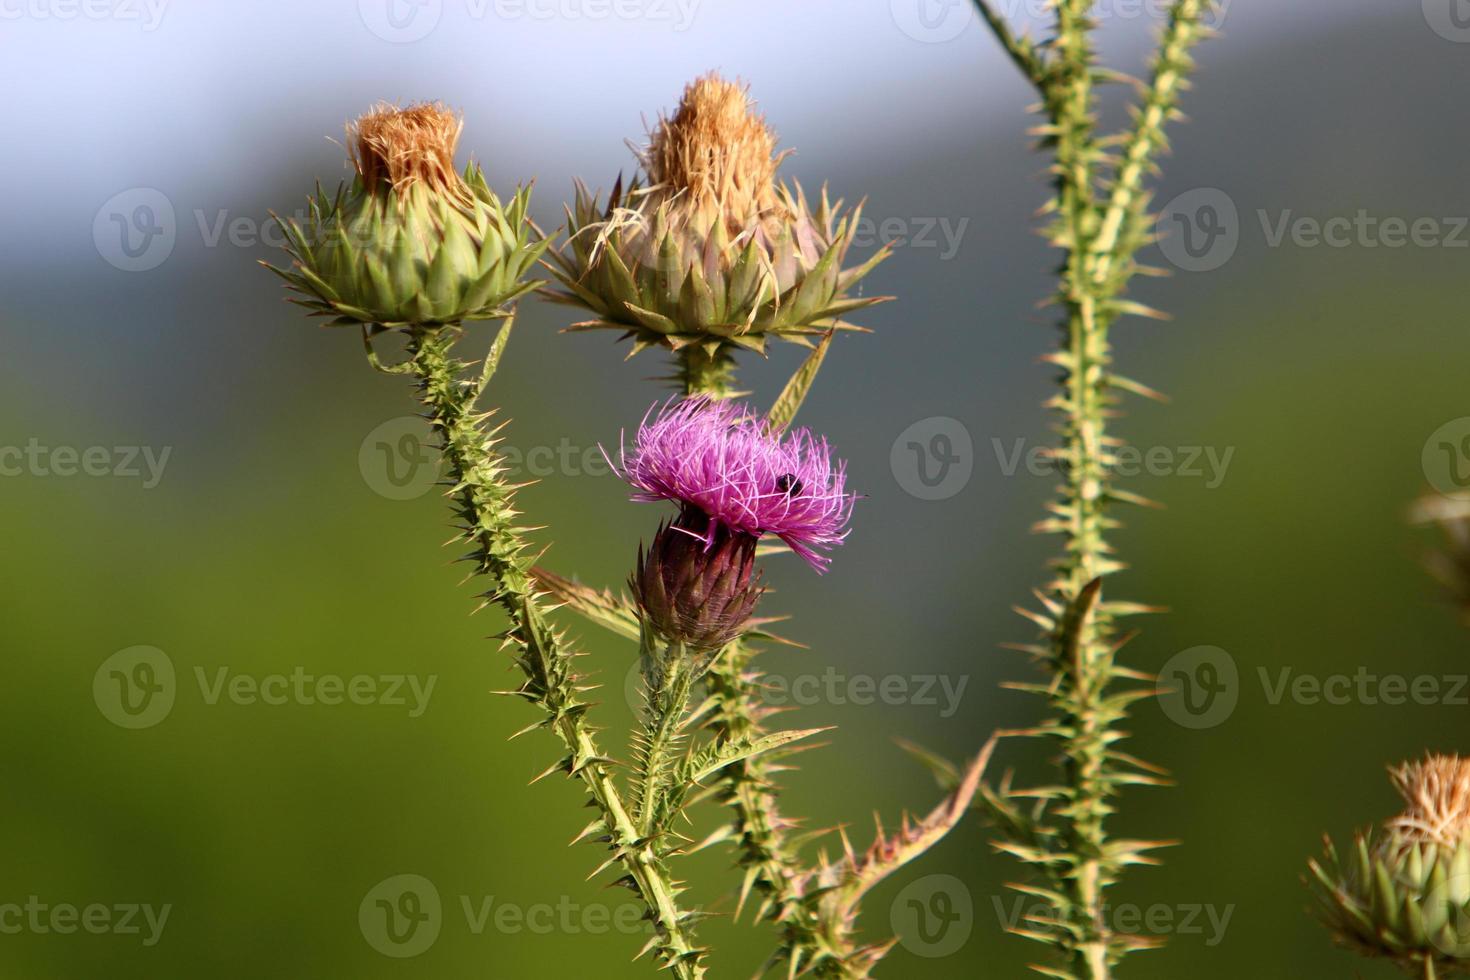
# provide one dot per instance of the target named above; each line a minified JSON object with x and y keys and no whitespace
{"x":1437,"y":791}
{"x":399,"y":148}
{"x":715,"y":157}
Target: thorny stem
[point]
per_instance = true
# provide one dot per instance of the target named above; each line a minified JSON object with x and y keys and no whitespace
{"x":1100,"y":238}
{"x":668,"y":679}
{"x":748,"y":787}
{"x":484,"y":504}
{"x":705,"y":373}
{"x":1069,"y":102}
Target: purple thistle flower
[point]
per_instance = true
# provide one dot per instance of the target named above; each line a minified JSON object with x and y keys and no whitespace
{"x":718,"y":457}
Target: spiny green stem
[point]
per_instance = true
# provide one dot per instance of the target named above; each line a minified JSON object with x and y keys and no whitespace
{"x":1021,"y":49}
{"x":1100,"y":238}
{"x":705,"y":373}
{"x":748,"y":786}
{"x":1086,"y":344}
{"x":484,"y":501}
{"x":668,"y":676}
{"x":1127,"y":202}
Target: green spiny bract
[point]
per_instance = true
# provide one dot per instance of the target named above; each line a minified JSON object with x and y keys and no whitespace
{"x":1403,"y":891}
{"x":410,"y":241}
{"x":1407,"y":900}
{"x":705,"y":252}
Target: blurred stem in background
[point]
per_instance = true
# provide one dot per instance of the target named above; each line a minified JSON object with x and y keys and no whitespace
{"x":1101,"y":220}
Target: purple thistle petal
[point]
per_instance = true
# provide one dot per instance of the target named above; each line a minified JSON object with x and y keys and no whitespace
{"x":718,"y":457}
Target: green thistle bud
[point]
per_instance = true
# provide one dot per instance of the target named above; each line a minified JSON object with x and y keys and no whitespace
{"x":411,"y":241}
{"x":697,"y":585}
{"x":705,"y":250}
{"x":1403,"y":892}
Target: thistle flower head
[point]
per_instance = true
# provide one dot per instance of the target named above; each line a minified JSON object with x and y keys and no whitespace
{"x":1403,"y":891}
{"x":720,"y":459}
{"x":396,"y":148}
{"x":705,"y":252}
{"x":1437,"y":792}
{"x":714,"y":158}
{"x":411,"y":243}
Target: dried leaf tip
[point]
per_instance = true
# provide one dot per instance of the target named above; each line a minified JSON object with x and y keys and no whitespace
{"x":1437,"y":791}
{"x":401,"y":147}
{"x":715,"y":156}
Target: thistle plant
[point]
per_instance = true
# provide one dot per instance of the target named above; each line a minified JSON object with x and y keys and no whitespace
{"x":1100,"y":221}
{"x":1402,"y":892}
{"x":414,"y":147}
{"x":705,"y":255}
{"x":411,"y":251}
{"x":695,"y":589}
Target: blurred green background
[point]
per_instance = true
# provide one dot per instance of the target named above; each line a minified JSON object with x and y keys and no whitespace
{"x":271,"y":542}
